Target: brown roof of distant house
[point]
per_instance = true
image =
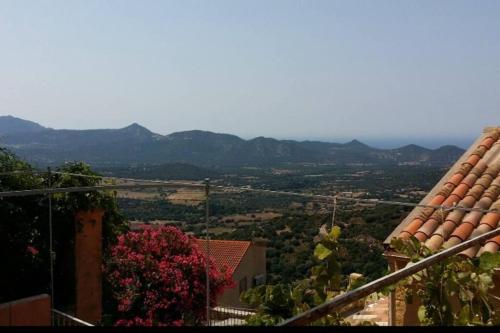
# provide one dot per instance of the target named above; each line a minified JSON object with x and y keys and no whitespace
{"x":225,"y":252}
{"x":473,"y":181}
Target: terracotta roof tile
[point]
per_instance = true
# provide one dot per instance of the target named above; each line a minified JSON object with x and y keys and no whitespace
{"x":489,"y":247}
{"x":479,"y":168}
{"x":473,"y":159}
{"x":428,"y":227}
{"x":496,"y":182}
{"x":495,"y":240}
{"x":453,"y":199}
{"x":476,"y":191}
{"x":472,"y":251}
{"x":474,"y":182}
{"x":446,"y":229}
{"x":455,"y":217}
{"x":438,"y":199}
{"x":484,"y":203}
{"x":465,"y":168}
{"x":456,"y":179}
{"x":485,"y":180}
{"x":463,"y":231}
{"x":480,"y":151}
{"x":473,"y":218}
{"x":440,"y":235}
{"x":469,"y":200}
{"x":488,"y":142}
{"x":469,"y":180}
{"x":225,"y":252}
{"x":484,"y":228}
{"x":490,"y":219}
{"x":413,"y":226}
{"x":452,"y":241}
{"x":434,"y":242}
{"x":461,"y":190}
{"x":420,"y":236}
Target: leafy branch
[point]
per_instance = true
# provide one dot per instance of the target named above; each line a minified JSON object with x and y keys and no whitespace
{"x":454,"y":291}
{"x":274,"y":303}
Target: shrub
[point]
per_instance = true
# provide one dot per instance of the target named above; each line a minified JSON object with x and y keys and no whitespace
{"x":158,"y":277}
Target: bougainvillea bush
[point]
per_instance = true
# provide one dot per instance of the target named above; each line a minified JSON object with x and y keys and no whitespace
{"x":158,"y":277}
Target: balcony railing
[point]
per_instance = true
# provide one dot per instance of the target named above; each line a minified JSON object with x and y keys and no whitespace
{"x":229,"y":316}
{"x":63,"y":319}
{"x":310,"y":316}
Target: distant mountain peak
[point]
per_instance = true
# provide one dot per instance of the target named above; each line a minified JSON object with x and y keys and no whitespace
{"x":11,"y":125}
{"x":135,"y":126}
{"x":356,"y":143}
{"x":137,"y":129}
{"x":449,"y":148}
{"x":413,"y":147}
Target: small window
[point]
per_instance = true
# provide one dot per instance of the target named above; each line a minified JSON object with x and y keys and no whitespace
{"x":243,"y":285}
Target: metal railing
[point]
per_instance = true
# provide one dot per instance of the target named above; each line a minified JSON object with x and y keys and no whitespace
{"x":60,"y":318}
{"x":229,"y":316}
{"x":349,"y":297}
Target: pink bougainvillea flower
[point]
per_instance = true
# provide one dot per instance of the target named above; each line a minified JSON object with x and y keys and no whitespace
{"x":32,"y":250}
{"x":158,"y":278}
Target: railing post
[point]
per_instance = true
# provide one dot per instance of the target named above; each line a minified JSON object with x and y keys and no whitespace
{"x":207,"y":236}
{"x":51,"y":250}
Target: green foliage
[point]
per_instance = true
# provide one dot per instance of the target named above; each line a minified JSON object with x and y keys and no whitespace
{"x":465,"y":280}
{"x":274,"y":303}
{"x":69,"y":203}
{"x":24,"y":228}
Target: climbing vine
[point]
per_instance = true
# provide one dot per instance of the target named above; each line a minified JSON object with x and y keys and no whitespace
{"x":455,"y":291}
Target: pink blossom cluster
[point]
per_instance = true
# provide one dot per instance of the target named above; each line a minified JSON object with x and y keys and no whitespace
{"x":158,"y":278}
{"x":32,"y":250}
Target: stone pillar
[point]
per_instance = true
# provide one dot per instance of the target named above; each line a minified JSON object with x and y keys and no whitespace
{"x":88,"y":260}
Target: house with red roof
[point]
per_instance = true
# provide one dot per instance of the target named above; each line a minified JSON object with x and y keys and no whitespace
{"x":472,"y":182}
{"x":246,"y":261}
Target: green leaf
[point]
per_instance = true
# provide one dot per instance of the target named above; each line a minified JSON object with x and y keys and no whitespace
{"x":464,"y":315}
{"x":321,"y":252}
{"x":335,"y":232}
{"x":489,"y":260}
{"x":421,"y":313}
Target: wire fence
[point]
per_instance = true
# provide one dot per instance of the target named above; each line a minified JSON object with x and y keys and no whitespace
{"x":152,"y":183}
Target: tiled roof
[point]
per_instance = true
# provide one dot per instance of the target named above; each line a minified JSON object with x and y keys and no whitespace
{"x":473,"y":181}
{"x":225,"y":252}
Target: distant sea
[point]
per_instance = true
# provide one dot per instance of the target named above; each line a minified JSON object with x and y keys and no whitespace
{"x":431,"y":143}
{"x":390,"y":143}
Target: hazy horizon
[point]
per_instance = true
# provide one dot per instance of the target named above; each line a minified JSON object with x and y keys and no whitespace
{"x":376,"y":142}
{"x":426,"y":70}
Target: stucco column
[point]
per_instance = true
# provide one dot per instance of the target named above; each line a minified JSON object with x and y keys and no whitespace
{"x":88,"y":260}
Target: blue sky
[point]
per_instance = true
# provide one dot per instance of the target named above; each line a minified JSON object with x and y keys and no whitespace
{"x":412,"y":71}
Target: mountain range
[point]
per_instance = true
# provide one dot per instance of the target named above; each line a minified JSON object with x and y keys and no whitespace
{"x":136,"y":145}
